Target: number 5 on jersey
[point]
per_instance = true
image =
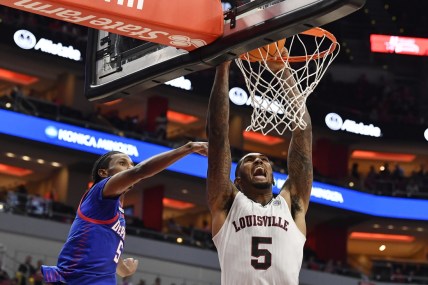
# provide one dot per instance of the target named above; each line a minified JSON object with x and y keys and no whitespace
{"x":118,"y":252}
{"x":261,"y":252}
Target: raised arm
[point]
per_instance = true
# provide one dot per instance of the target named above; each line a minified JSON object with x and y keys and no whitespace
{"x":297,"y":188}
{"x":120,"y":182}
{"x":300,"y":170}
{"x":220,"y":191}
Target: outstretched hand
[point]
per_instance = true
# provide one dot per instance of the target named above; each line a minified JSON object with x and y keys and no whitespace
{"x":283,"y":68}
{"x":278,"y":65}
{"x":199,"y":147}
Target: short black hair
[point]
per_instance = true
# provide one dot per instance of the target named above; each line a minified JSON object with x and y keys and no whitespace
{"x":238,"y":166}
{"x":101,"y":163}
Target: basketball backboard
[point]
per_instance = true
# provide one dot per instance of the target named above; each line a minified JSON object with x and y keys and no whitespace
{"x":118,"y":66}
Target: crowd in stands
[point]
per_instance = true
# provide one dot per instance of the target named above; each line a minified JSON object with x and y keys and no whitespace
{"x":27,"y":274}
{"x":382,"y":101}
{"x":391,"y":182}
{"x":382,"y":270}
{"x":49,"y":108}
{"x":400,"y":272}
{"x":311,"y":262}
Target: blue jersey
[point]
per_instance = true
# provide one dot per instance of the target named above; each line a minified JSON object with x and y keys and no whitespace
{"x":94,"y":244}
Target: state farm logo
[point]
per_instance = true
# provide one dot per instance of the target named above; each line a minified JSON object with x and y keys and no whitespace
{"x":130,"y":3}
{"x":24,"y":39}
{"x":100,"y":22}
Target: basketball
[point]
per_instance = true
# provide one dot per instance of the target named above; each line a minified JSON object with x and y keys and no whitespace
{"x":268,"y":51}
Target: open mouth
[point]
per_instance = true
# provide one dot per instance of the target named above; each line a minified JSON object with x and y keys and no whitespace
{"x":259,"y":172}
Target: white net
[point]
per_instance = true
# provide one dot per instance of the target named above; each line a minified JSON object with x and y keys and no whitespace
{"x":279,"y":85}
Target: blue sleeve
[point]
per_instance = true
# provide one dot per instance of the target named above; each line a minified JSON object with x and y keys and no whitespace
{"x":95,"y":206}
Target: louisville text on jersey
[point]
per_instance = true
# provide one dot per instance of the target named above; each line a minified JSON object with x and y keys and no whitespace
{"x":260,"y":221}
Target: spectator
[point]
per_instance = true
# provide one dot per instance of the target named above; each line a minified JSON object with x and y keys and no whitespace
{"x":22,"y":198}
{"x":161,"y":126}
{"x":38,"y":276}
{"x":4,"y":276}
{"x":385,"y":172}
{"x":421,"y":172}
{"x":398,"y":276}
{"x":127,"y":280}
{"x":355,"y":174}
{"x":36,"y":205}
{"x":410,"y":276}
{"x":370,"y":181}
{"x":25,"y":270}
{"x":412,"y":187}
{"x":173,"y":227}
{"x":329,"y":267}
{"x":205,"y":226}
{"x":398,"y":173}
{"x":157,"y":281}
{"x":51,"y":195}
{"x":313,"y":264}
{"x":340,"y":268}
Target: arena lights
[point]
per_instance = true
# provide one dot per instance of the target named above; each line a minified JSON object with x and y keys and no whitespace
{"x":399,"y":45}
{"x":384,"y":156}
{"x":180,"y":118}
{"x":14,"y":171}
{"x":381,"y":237}
{"x":15,"y":77}
{"x":114,"y":102}
{"x":260,"y":138}
{"x":177,"y":204}
{"x":180,"y":82}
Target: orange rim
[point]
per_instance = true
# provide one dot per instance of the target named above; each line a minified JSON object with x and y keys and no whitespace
{"x":316,"y":32}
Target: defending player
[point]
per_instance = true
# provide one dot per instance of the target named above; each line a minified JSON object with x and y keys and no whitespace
{"x":91,"y":254}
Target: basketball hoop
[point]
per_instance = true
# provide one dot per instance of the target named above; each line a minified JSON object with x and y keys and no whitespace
{"x":279,"y":96}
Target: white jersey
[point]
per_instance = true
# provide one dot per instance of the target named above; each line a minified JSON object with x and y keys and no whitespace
{"x":259,"y":245}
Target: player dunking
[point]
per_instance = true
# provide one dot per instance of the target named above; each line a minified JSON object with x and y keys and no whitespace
{"x":91,"y":254}
{"x":259,"y":237}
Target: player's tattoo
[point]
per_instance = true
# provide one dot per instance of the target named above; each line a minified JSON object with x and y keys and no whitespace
{"x":300,"y":168}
